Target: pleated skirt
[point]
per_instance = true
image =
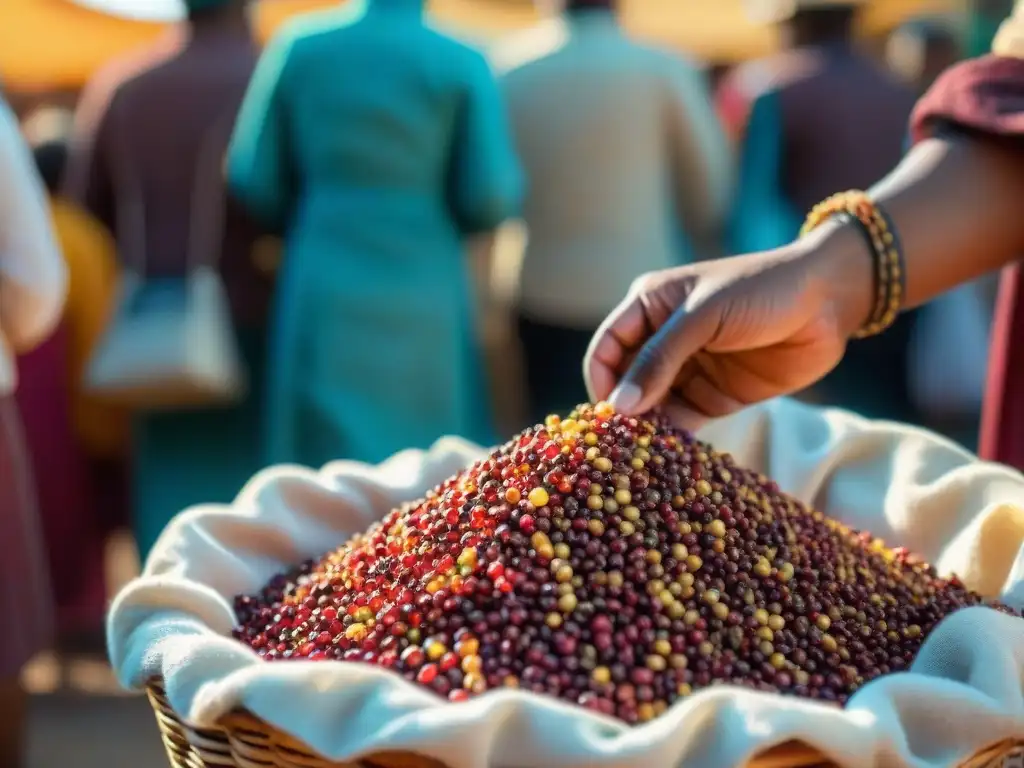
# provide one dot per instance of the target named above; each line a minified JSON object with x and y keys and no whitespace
{"x":26,"y":600}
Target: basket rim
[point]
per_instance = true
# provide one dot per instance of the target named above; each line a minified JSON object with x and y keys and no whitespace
{"x":243,"y":726}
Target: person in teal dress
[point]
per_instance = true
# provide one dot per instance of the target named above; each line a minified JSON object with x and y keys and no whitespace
{"x":377,"y":146}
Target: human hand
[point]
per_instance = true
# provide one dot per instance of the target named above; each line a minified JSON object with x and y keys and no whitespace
{"x":705,"y":340}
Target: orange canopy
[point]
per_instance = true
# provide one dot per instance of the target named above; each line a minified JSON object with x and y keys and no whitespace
{"x":55,"y":44}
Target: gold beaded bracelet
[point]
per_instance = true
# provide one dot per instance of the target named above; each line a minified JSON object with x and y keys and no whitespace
{"x":888,"y":256}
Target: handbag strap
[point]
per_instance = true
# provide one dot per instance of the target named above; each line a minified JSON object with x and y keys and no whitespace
{"x":130,"y":223}
{"x":209,"y":195}
{"x":206,"y":206}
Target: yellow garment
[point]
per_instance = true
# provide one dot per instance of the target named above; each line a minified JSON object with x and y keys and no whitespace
{"x":91,"y":258}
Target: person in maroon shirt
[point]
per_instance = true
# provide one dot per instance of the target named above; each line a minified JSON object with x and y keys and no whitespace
{"x":710,"y":338}
{"x":144,"y":125}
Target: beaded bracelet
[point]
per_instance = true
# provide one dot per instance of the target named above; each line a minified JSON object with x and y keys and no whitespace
{"x":884,"y":245}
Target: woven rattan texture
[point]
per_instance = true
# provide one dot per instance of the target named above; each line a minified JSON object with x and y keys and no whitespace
{"x":243,"y":741}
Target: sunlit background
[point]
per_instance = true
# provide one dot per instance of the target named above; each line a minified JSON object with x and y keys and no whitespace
{"x":49,"y":51}
{"x":57,"y":44}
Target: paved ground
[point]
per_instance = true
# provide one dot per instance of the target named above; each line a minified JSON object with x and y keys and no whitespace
{"x":80,"y":717}
{"x":93,"y":731}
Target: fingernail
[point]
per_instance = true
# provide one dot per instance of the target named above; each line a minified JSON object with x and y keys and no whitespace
{"x":625,"y":397}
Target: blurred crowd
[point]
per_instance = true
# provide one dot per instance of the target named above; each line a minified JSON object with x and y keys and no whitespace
{"x":369,"y":235}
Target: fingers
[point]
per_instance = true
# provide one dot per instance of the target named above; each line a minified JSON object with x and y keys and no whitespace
{"x":654,"y":370}
{"x":621,"y":332}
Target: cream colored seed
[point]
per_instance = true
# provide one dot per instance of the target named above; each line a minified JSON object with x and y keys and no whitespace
{"x":603,"y":464}
{"x":656,"y":663}
{"x":356,"y":631}
{"x":542,"y":544}
{"x":631,"y":513}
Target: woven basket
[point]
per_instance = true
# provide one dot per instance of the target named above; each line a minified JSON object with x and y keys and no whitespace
{"x":244,"y":741}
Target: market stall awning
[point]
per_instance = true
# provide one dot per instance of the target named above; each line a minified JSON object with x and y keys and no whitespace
{"x":59,"y":44}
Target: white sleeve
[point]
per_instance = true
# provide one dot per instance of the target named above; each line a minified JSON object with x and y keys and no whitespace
{"x":33,"y":275}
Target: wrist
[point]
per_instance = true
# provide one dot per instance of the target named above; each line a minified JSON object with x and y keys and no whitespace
{"x":843,"y":268}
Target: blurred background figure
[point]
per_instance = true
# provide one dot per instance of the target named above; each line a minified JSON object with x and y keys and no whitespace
{"x":983,"y":20}
{"x":67,"y":434}
{"x":791,"y":120}
{"x":921,"y":50}
{"x":33,"y":281}
{"x":628,"y":171}
{"x":819,"y":116}
{"x":376,"y":183}
{"x":151,"y":119}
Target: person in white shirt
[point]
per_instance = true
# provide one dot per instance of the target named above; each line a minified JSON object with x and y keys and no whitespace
{"x":33,"y":283}
{"x":628,"y":170}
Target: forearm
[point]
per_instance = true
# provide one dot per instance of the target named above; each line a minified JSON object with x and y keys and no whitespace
{"x":956,"y":205}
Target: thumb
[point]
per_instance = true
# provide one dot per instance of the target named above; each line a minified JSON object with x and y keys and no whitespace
{"x":654,"y":369}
